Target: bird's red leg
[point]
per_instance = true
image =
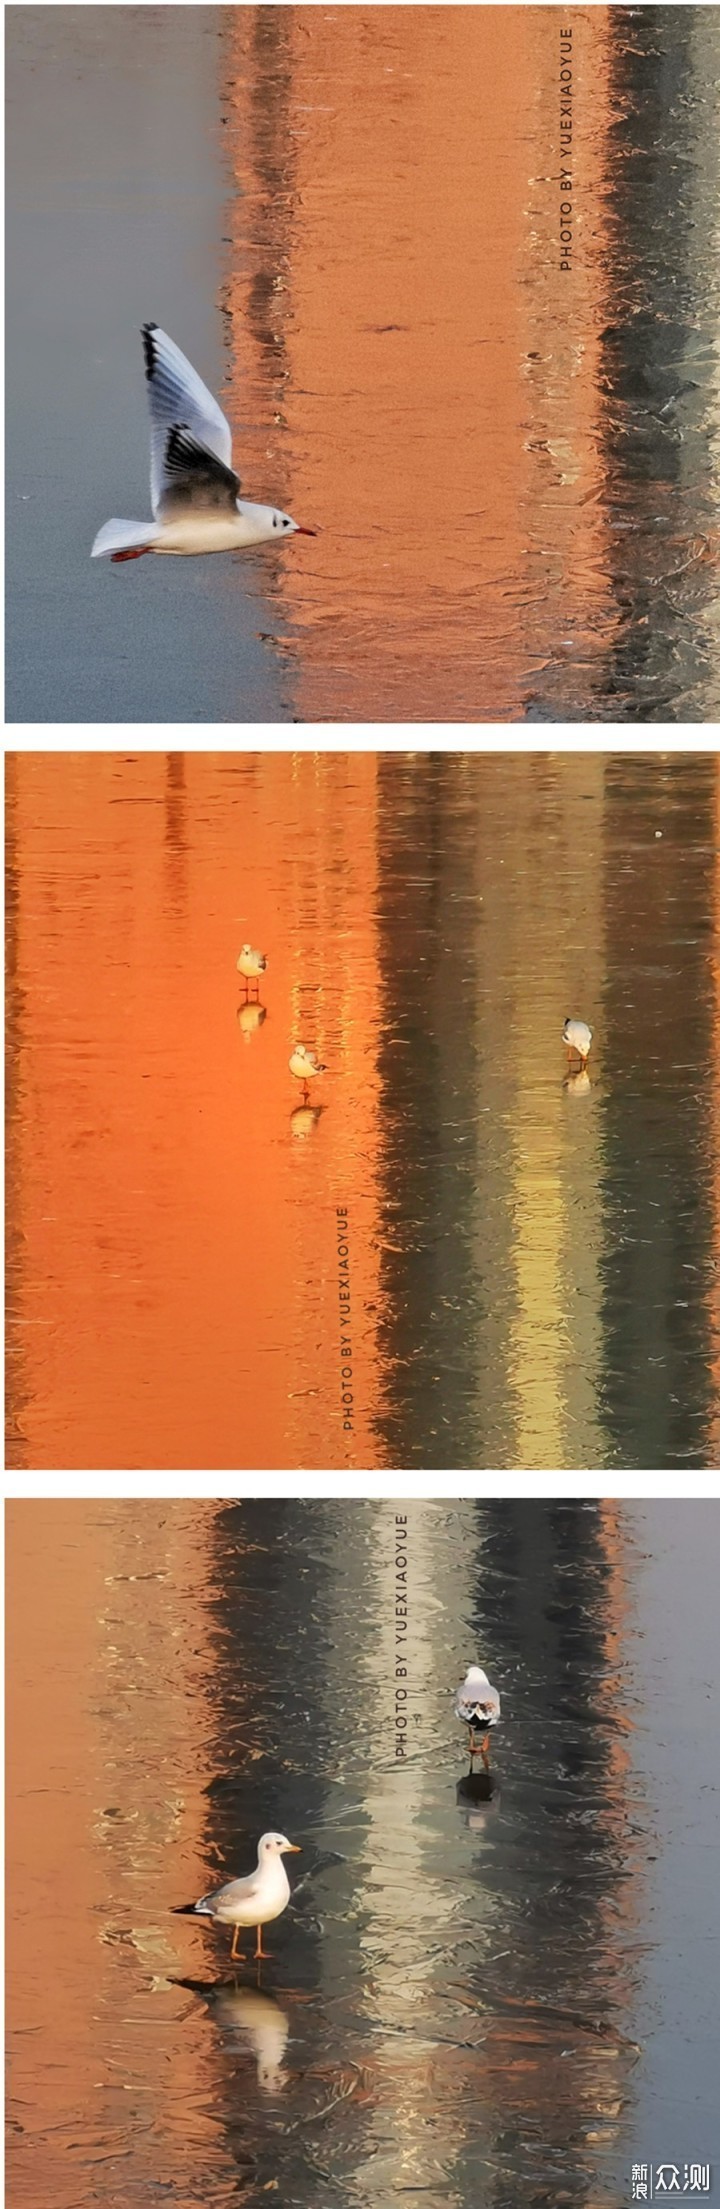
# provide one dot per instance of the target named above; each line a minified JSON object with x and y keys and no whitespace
{"x":260,"y":1951}
{"x":234,"y":1949}
{"x":135,"y":553}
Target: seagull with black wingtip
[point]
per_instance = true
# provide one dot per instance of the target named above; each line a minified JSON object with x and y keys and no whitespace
{"x":194,"y":488}
{"x":255,"y":1900}
{"x":251,"y":964}
{"x":477,"y":1704}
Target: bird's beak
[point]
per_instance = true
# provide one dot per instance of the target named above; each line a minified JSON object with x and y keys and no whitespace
{"x":301,"y":531}
{"x":293,"y":1849}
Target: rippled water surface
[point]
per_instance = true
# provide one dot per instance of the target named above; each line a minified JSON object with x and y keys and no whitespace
{"x":349,"y":218}
{"x":531,"y":1258}
{"x":485,"y":1993}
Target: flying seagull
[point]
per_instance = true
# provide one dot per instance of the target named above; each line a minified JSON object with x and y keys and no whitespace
{"x":194,"y":488}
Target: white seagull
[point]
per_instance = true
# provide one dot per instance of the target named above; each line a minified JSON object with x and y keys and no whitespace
{"x":578,"y":1037}
{"x":303,"y":1064}
{"x":252,"y":1901}
{"x":194,"y":489}
{"x":478,"y":1705}
{"x":251,"y":964}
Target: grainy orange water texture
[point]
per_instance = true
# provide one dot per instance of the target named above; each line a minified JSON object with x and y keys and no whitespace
{"x":531,"y":1257}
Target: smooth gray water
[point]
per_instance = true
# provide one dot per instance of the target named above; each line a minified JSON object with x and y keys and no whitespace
{"x":115,"y":219}
{"x":492,"y":1993}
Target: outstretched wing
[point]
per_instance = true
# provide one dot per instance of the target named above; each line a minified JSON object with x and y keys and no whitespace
{"x":192,"y":476}
{"x":178,"y":398}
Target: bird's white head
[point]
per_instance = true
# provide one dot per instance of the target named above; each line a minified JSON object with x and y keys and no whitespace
{"x":475,"y":1677}
{"x":264,"y":522}
{"x":282,"y":525}
{"x":275,"y":1844}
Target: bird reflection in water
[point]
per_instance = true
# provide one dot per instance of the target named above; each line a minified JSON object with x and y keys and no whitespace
{"x":250,"y":1017}
{"x":579,"y":1084}
{"x":249,"y":2019}
{"x":304,"y":1118}
{"x":478,"y":1796}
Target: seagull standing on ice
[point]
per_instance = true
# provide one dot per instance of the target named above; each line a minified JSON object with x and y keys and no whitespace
{"x":194,"y":489}
{"x":478,"y":1705}
{"x":252,"y":1901}
{"x":578,"y":1037}
{"x":303,"y":1064}
{"x":251,"y":964}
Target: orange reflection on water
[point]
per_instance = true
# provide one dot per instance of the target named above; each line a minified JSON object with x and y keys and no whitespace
{"x":182,"y":1302}
{"x":107,"y":1623}
{"x":530,"y":1263}
{"x":459,"y":504}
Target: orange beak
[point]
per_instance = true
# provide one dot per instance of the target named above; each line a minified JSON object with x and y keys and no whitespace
{"x":301,"y":531}
{"x":293,"y":1849}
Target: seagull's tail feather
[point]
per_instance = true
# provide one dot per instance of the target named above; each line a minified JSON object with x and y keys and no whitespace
{"x":117,"y":536}
{"x":185,"y":1909}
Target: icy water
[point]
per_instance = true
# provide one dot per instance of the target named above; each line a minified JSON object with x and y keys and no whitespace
{"x":490,"y":1993}
{"x":350,"y":220}
{"x":453,"y":1253}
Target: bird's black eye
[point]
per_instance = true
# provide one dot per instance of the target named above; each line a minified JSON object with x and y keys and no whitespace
{"x":286,"y":525}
